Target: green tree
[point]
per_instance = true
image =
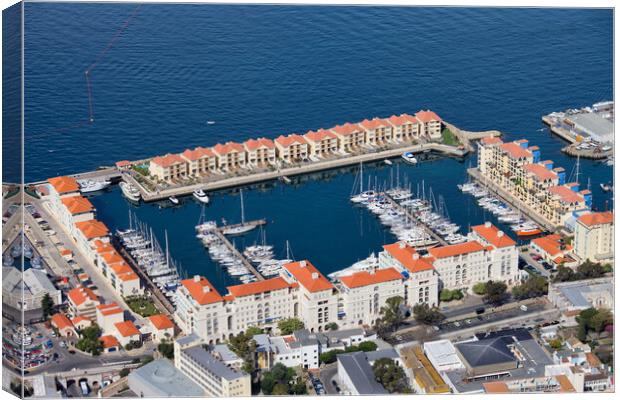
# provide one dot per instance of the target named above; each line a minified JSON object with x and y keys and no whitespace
{"x":245,"y":347}
{"x":290,"y":325}
{"x":556,"y":344}
{"x":582,"y":331}
{"x":330,"y":357}
{"x":600,"y":320}
{"x":47,"y":305}
{"x":480,"y":288}
{"x":449,"y":295}
{"x":495,"y":292}
{"x":391,"y":316}
{"x":280,"y":389}
{"x":390,"y":375}
{"x":367,"y":346}
{"x":332,"y":326}
{"x":124,"y":372}
{"x":90,"y":342}
{"x":166,"y":349}
{"x":423,"y":313}
{"x":534,"y":286}
{"x":253,"y":330}
{"x":564,"y":274}
{"x":281,"y":380}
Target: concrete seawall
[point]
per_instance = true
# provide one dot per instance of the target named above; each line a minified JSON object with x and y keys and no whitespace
{"x":466,"y":136}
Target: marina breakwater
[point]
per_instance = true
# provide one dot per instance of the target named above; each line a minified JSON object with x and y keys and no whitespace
{"x":283,"y":173}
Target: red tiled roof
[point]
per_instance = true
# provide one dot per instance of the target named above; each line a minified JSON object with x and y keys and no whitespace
{"x":128,"y":276}
{"x":92,"y":228}
{"x":123,"y":163}
{"x":491,"y":140}
{"x":126,"y":328}
{"x":566,"y":194}
{"x":197,"y":153}
{"x":549,"y":244}
{"x":202,"y":290}
{"x":565,"y":385}
{"x":112,"y":257}
{"x":346,"y":129}
{"x":80,"y":318}
{"x":167,"y":160}
{"x":516,"y":151}
{"x":80,"y":295}
{"x":492,"y":235}
{"x":286,"y":141}
{"x":249,"y":289}
{"x":61,"y":321}
{"x":408,"y":257}
{"x":597,"y":218}
{"x":253,"y":144}
{"x":456,"y":249}
{"x":541,"y":172}
{"x":229,"y":147}
{"x":308,"y":276}
{"x":374,"y":123}
{"x":427,"y":116}
{"x":109,"y":309}
{"x":317,"y":136}
{"x":161,"y":321}
{"x":64,"y":184}
{"x":109,"y":341}
{"x":77,"y":204}
{"x":402,"y":119}
{"x":366,"y":278}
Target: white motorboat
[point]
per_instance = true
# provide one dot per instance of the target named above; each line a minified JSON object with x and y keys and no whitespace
{"x":201,"y":196}
{"x":89,"y":185}
{"x":409,"y":157}
{"x":130,"y":191}
{"x":388,"y":162}
{"x":173,"y":200}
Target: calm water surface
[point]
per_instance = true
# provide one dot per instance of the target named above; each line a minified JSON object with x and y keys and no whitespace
{"x":276,"y":69}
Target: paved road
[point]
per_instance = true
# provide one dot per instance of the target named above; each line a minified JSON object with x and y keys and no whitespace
{"x":485,"y":321}
{"x":327,"y":375}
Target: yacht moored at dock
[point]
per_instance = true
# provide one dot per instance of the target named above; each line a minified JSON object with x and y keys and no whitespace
{"x":130,"y":191}
{"x":90,"y":185}
{"x":201,"y":196}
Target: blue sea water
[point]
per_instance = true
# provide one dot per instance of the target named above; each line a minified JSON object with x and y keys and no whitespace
{"x":159,"y":72}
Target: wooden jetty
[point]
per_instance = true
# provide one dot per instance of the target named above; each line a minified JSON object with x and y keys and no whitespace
{"x":415,"y":217}
{"x":246,"y":263}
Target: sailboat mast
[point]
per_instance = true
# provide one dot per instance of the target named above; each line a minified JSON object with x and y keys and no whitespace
{"x":167,"y":252}
{"x":242,"y":210}
{"x":361,"y":177}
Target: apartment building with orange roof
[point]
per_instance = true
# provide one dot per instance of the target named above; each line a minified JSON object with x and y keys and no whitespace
{"x":317,"y":303}
{"x":351,"y":137}
{"x":59,"y":188}
{"x":200,"y":309}
{"x":430,"y":123}
{"x":87,"y":232}
{"x":126,"y":332}
{"x":200,"y":161}
{"x":107,"y":315}
{"x":364,"y":293}
{"x":261,"y":303}
{"x":260,"y":152}
{"x":74,"y":209}
{"x":169,"y":167}
{"x":63,"y":325}
{"x":405,"y":127}
{"x":83,"y":301}
{"x":553,"y":249}
{"x":321,"y":143}
{"x":379,"y":131}
{"x":516,"y":167}
{"x":160,"y":327}
{"x":594,"y":236}
{"x":421,"y":283}
{"x":230,"y":156}
{"x":291,"y":148}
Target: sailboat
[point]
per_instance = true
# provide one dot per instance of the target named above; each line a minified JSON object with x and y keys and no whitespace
{"x":241,"y":228}
{"x":362,"y":197}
